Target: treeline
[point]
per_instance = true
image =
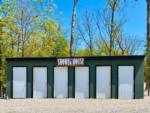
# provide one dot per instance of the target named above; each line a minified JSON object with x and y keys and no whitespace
{"x":29,"y":28}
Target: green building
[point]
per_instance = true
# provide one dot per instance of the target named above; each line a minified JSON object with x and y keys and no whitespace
{"x":77,"y":77}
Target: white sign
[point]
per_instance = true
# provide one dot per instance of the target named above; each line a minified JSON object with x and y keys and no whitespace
{"x":70,"y":61}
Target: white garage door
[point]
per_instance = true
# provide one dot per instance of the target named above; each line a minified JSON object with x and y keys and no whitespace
{"x":60,"y":82}
{"x":19,"y":82}
{"x":126,"y":82}
{"x":39,"y":82}
{"x":103,"y":82}
{"x":81,"y":82}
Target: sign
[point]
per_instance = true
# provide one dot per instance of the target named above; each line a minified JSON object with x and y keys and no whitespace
{"x":70,"y":61}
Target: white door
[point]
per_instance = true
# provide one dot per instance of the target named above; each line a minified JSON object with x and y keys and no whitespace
{"x":19,"y":82}
{"x":39,"y":82}
{"x":60,"y":82}
{"x":126,"y":82}
{"x":103,"y":82}
{"x":81,"y":82}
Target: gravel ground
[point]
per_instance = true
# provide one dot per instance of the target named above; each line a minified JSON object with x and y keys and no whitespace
{"x":75,"y":106}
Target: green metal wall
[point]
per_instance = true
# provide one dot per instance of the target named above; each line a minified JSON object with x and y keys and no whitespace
{"x":51,"y":63}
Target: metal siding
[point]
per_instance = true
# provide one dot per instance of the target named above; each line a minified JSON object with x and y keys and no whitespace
{"x":29,"y":82}
{"x":139,"y":80}
{"x":71,"y":82}
{"x":114,"y":82}
{"x":92,"y":81}
{"x":50,"y":81}
{"x":139,"y":76}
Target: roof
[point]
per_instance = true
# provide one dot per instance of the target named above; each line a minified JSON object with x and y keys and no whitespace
{"x":137,"y":57}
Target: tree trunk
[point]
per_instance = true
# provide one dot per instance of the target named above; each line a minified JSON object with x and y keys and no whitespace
{"x":18,"y":44}
{"x":1,"y":91}
{"x":148,"y":44}
{"x":22,"y":34}
{"x":148,"y":91}
{"x":72,"y":27}
{"x":112,"y":27}
{"x":22,"y":49}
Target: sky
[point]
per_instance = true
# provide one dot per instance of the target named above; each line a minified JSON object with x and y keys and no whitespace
{"x":136,"y":14}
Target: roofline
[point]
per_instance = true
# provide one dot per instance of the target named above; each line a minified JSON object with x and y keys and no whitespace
{"x":141,"y":57}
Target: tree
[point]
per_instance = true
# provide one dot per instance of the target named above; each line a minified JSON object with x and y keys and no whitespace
{"x":29,"y":29}
{"x":110,"y":23}
{"x":113,"y":6}
{"x":72,"y":27}
{"x":4,"y":44}
{"x":91,"y":24}
{"x":1,"y":54}
{"x":86,"y":30}
{"x":103,"y":31}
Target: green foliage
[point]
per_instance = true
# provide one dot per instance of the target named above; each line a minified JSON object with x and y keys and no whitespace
{"x":24,"y":32}
{"x":87,"y":52}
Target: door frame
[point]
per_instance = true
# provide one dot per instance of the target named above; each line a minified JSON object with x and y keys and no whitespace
{"x":133,"y":78}
{"x":43,"y":66}
{"x":110,"y":78}
{"x":13,"y":79}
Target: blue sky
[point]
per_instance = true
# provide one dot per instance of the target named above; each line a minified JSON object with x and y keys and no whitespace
{"x":136,"y":14}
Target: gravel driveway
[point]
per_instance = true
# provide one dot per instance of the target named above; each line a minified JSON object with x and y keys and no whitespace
{"x":75,"y":106}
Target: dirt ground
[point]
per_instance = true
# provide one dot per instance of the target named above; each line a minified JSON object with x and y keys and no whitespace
{"x":75,"y":106}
